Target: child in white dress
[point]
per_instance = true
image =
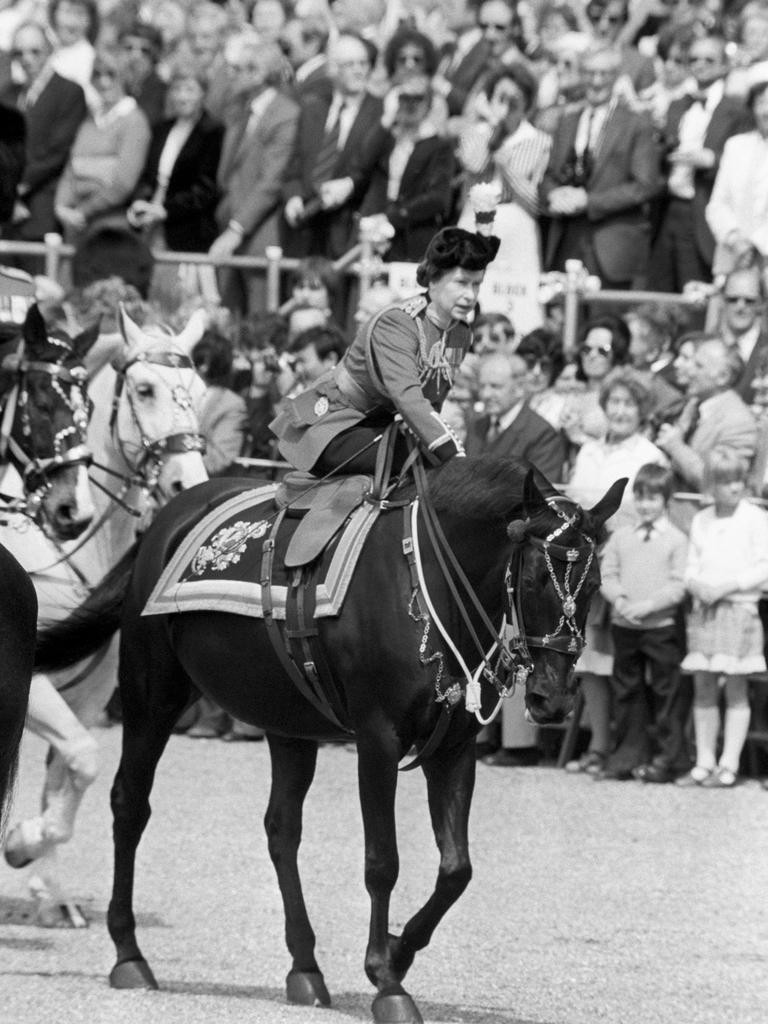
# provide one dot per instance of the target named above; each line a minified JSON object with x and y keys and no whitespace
{"x":726,"y":571}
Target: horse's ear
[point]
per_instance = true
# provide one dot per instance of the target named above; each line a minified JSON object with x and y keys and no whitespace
{"x":85,"y":341}
{"x":133,"y":334}
{"x":35,"y":332}
{"x":533,"y":499}
{"x":608,"y":504}
{"x":193,"y":332}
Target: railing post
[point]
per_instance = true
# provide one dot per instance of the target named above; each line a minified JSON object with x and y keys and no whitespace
{"x":574,"y":277}
{"x":274,"y":255}
{"x":53,"y":242}
{"x":365,"y":265}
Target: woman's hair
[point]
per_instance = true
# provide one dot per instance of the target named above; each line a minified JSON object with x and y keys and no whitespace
{"x":518,"y":74}
{"x":674,"y":35}
{"x":213,"y":353}
{"x":723,"y":465}
{"x":619,"y":340}
{"x":629,"y":379}
{"x":403,"y":37}
{"x":89,"y":6}
{"x":544,"y":345}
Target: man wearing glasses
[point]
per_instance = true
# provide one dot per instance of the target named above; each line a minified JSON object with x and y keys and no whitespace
{"x":602,"y":172}
{"x":697,"y":129}
{"x":462,"y":80}
{"x":53,"y":108}
{"x":742,"y":327}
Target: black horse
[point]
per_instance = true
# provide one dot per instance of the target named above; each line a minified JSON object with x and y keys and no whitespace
{"x":42,"y":433}
{"x":523,"y":550}
{"x":18,"y":624}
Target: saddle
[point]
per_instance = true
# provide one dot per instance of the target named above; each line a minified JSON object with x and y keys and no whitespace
{"x":323,"y":507}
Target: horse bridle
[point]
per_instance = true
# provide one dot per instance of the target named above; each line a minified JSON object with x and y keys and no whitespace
{"x":566,"y":637}
{"x":69,"y":444}
{"x":144,"y":471}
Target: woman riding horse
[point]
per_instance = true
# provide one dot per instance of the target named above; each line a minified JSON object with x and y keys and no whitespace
{"x":401,"y":362}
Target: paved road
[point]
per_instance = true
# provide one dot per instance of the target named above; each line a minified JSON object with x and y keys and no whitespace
{"x":590,"y":902}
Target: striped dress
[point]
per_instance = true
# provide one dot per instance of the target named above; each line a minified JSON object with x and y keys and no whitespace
{"x":517,"y":166}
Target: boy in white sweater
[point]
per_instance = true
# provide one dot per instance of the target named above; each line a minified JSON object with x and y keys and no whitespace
{"x":643,"y":569}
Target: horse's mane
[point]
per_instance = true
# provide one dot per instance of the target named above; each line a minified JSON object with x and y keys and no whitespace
{"x":483,"y":487}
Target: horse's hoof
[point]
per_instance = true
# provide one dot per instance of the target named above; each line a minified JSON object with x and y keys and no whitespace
{"x":60,"y":915}
{"x":132,"y":974}
{"x":21,"y":848}
{"x":395,"y":1008}
{"x":307,"y":988}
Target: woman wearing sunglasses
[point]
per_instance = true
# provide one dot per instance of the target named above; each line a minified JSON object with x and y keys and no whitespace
{"x":107,"y":157}
{"x":604,"y":345}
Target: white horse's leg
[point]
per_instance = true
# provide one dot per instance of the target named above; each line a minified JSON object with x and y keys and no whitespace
{"x":72,"y":769}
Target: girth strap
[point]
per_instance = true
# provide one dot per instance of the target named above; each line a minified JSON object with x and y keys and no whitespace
{"x":273,"y":630}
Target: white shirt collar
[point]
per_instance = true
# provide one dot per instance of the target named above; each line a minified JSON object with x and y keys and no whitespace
{"x":302,"y":73}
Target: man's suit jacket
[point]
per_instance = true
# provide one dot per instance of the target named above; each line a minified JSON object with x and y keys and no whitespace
{"x":328,"y":233}
{"x":727,"y":421}
{"x":251,"y":172}
{"x":317,"y":84}
{"x":52,"y":124}
{"x":756,"y":357}
{"x":192,"y":193}
{"x":529,"y":436}
{"x":625,"y":175}
{"x":425,"y":195}
{"x":12,"y":137}
{"x":730,"y":117}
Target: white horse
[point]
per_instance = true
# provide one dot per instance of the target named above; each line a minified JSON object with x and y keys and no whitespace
{"x":146,"y":448}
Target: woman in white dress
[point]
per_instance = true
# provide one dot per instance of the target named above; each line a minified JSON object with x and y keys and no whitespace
{"x":500,"y":145}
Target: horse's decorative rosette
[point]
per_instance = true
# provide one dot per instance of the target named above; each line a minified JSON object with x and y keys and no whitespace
{"x":227,"y":546}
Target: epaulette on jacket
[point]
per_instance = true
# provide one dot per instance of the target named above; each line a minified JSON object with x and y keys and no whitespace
{"x":414,"y":306}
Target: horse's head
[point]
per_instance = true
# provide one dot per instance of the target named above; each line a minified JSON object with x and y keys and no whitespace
{"x":43,"y":432}
{"x":552,"y":576}
{"x":155,"y":410}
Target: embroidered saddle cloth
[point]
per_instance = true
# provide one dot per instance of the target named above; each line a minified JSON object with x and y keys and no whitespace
{"x":220,"y":563}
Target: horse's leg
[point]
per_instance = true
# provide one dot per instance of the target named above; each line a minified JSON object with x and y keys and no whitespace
{"x":378,"y":752}
{"x":293,"y":768}
{"x":154,"y":694}
{"x":71,"y":769}
{"x":450,"y":783}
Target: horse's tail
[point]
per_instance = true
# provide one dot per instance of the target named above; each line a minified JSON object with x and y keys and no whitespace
{"x":89,"y":627}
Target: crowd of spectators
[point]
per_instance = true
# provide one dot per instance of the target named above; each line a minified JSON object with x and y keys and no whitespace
{"x":631,"y":135}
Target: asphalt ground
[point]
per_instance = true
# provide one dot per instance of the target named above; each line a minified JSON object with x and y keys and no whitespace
{"x":590,"y":901}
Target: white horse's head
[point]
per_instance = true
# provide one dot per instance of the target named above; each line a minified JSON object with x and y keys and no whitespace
{"x":156,"y":406}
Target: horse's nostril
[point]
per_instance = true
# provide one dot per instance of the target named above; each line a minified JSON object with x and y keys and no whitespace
{"x":66,"y":512}
{"x":177,"y":486}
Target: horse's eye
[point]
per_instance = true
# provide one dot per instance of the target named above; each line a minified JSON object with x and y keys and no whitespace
{"x":145,"y":391}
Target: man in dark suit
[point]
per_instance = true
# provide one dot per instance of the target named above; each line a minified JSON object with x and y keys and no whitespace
{"x":305,"y":41}
{"x":461,"y":77}
{"x":411,"y":170}
{"x":258,"y":143}
{"x":141,"y":47}
{"x":603,"y":170}
{"x":322,"y":195}
{"x":743,"y":327}
{"x":508,"y":425}
{"x":697,"y":129}
{"x":54,"y":109}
